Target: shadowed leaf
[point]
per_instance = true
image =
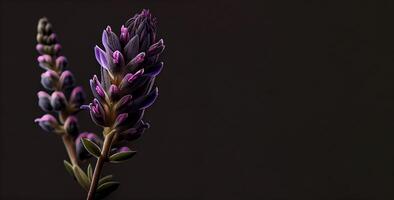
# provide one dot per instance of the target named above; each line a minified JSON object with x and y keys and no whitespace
{"x":91,"y":147}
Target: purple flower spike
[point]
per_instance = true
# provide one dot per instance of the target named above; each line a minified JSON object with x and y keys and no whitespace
{"x":71,"y":126}
{"x":44,"y":101}
{"x":47,"y":123}
{"x":58,"y":101}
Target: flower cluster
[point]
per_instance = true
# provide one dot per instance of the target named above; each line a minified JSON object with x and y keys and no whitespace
{"x":129,"y":65}
{"x":62,"y":99}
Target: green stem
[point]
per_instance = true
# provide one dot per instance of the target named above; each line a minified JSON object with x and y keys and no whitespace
{"x":99,"y":165}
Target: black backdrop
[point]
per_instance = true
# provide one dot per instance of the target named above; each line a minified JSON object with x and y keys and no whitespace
{"x":258,"y":100}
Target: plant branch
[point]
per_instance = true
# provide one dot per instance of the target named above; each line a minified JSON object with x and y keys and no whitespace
{"x":70,"y":147}
{"x":99,"y":165}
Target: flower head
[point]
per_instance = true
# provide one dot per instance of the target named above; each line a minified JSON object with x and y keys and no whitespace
{"x":129,"y":65}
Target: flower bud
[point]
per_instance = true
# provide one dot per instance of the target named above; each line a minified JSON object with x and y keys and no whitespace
{"x":123,"y":104}
{"x":61,"y":62}
{"x":57,"y":48}
{"x":114,"y":92}
{"x":110,"y":40}
{"x":49,"y":80}
{"x":97,"y":113}
{"x":124,"y":34}
{"x":134,"y":132}
{"x":127,"y":80}
{"x":45,"y":61}
{"x":97,"y":89}
{"x":48,"y":123}
{"x":156,"y":48}
{"x":133,"y":64}
{"x":58,"y":101}
{"x":40,"y":48}
{"x":67,"y":80}
{"x":44,"y":101}
{"x":71,"y":126}
{"x":77,"y":97}
{"x":118,"y":60}
{"x":120,"y":119}
{"x":81,"y":151}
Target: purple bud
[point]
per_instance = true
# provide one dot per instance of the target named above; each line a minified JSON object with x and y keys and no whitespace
{"x":114,"y":92}
{"x":81,"y":151}
{"x":117,"y":58}
{"x":132,"y":47}
{"x":110,"y":40}
{"x":134,"y":132}
{"x":124,"y":34}
{"x":44,"y":101}
{"x":61,"y":62}
{"x":77,"y":97}
{"x":44,"y":58}
{"x":40,"y":48}
{"x":58,"y":101}
{"x":156,"y":48}
{"x":47,"y":123}
{"x":67,"y":80}
{"x":120,"y":119}
{"x":144,"y":102}
{"x":101,"y":57}
{"x":123,"y":149}
{"x":123,"y":104}
{"x":57,"y":48}
{"x":97,"y":113}
{"x":136,"y":60}
{"x":71,"y":126}
{"x":97,"y":89}
{"x":49,"y":80}
{"x":52,"y":38}
{"x":127,"y":80}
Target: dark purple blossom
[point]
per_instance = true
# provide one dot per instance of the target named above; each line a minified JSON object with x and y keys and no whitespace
{"x":129,"y":64}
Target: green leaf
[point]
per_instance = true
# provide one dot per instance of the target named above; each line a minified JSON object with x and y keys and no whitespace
{"x":106,"y":189}
{"x":91,"y":147}
{"x":90,"y":172}
{"x":121,"y":156}
{"x":81,"y":177}
{"x":68,"y":167}
{"x":105,"y":179}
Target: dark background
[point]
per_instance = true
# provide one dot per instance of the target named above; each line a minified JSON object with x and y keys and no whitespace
{"x":258,"y":100}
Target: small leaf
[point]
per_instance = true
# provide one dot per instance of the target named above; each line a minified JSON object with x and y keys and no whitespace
{"x":81,"y":177}
{"x":68,"y":167}
{"x":90,"y":172}
{"x":91,"y":147}
{"x":105,"y":179}
{"x":121,"y":156}
{"x":106,"y":189}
